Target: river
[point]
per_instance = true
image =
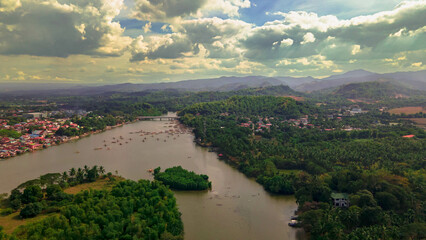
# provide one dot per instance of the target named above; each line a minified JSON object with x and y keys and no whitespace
{"x":236,"y":208}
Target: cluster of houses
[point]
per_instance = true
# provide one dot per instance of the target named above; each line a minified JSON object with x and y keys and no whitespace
{"x":265,"y":124}
{"x":258,"y":126}
{"x":36,"y":134}
{"x":30,"y":114}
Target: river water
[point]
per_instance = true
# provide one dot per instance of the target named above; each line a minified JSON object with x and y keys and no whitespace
{"x":236,"y":208}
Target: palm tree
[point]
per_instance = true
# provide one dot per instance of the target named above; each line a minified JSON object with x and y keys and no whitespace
{"x":72,"y":172}
{"x":95,"y":170}
{"x":64,"y":176}
{"x":101,"y":170}
{"x":86,"y":170}
{"x":80,"y":175}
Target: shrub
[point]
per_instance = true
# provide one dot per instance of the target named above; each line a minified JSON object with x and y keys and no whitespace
{"x":32,"y":194}
{"x":16,"y":204}
{"x":31,"y":210}
{"x":6,"y":211}
{"x":52,"y":189}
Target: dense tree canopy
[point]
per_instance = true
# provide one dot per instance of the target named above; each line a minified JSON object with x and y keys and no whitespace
{"x":383,"y":173}
{"x":182,"y":179}
{"x":130,"y":210}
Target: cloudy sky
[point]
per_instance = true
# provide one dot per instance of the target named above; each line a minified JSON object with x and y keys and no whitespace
{"x":143,"y":41}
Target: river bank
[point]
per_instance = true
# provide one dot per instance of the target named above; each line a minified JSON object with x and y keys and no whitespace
{"x":236,"y":205}
{"x":57,"y":141}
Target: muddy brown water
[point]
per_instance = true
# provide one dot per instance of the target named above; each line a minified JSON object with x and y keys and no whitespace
{"x":236,"y":208}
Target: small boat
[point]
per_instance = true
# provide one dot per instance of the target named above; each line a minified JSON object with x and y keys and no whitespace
{"x":293,"y":223}
{"x":98,"y":148}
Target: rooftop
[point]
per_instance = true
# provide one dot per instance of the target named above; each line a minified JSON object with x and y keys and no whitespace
{"x":339,"y":195}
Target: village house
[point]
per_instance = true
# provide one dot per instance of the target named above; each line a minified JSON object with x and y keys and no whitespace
{"x":340,"y":199}
{"x":304,"y":121}
{"x":356,"y":110}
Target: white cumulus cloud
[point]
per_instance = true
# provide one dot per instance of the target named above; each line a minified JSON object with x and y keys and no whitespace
{"x":61,"y":28}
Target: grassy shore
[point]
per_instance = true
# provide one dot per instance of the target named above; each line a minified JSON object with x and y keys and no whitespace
{"x":100,"y":184}
{"x":12,"y":221}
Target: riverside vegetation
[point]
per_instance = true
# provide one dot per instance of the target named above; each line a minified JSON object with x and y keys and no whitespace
{"x":121,"y":209}
{"x":383,"y":173}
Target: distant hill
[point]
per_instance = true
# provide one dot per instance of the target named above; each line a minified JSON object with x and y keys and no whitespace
{"x":376,"y":90}
{"x":170,"y":99}
{"x":222,"y":84}
{"x":279,"y":90}
{"x":176,"y":100}
{"x":251,"y":106}
{"x":414,"y":80}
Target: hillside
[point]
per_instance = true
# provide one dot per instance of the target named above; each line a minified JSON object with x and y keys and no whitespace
{"x":170,"y":99}
{"x":413,"y":80}
{"x":376,"y":90}
{"x":252,"y":106}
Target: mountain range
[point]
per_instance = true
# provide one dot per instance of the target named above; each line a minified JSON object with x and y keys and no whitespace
{"x":412,"y":80}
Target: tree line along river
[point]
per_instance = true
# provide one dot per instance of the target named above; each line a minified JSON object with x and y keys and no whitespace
{"x":236,"y":207}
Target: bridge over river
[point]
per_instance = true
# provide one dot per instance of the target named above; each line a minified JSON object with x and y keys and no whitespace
{"x":160,"y":118}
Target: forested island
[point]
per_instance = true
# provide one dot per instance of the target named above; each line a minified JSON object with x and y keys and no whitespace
{"x":97,"y":206}
{"x":181,"y":179}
